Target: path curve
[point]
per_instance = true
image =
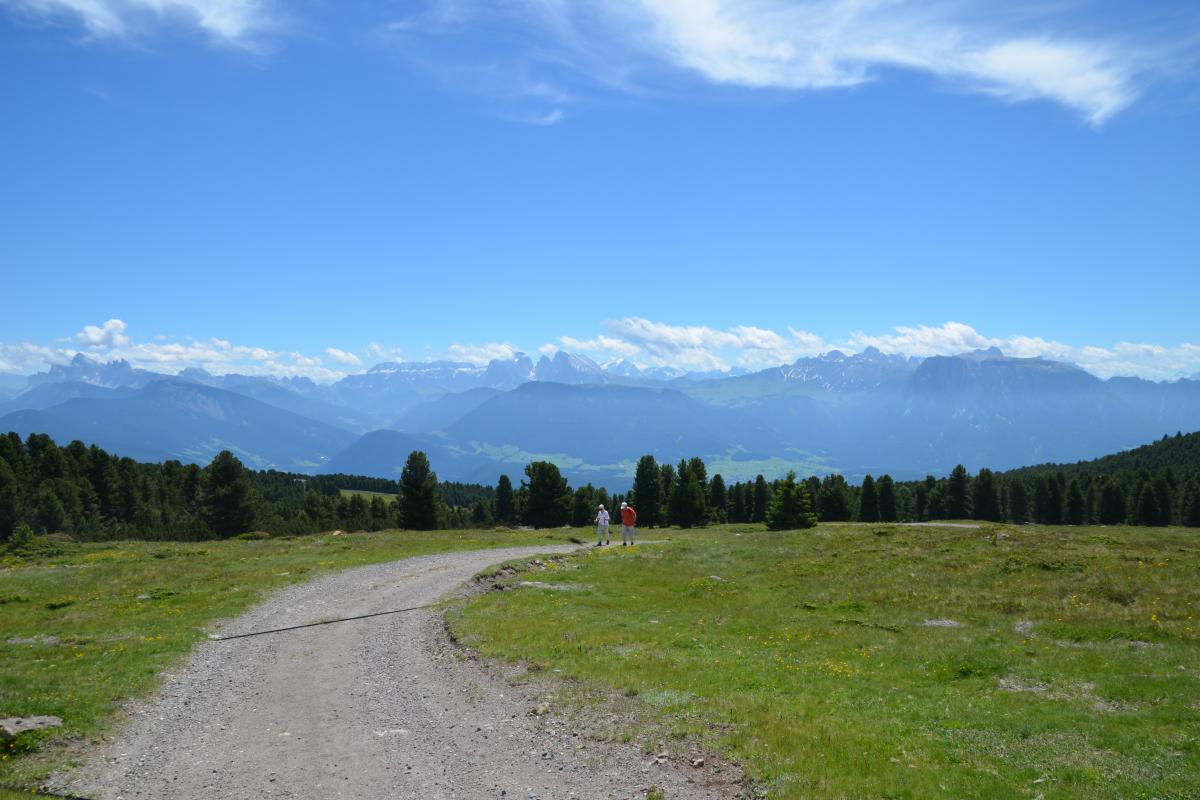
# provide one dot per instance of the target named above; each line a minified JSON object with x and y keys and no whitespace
{"x":371,"y":709}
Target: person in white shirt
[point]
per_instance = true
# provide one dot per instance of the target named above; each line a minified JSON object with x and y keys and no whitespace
{"x":601,"y":526}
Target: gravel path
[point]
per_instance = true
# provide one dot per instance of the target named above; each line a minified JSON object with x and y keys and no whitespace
{"x":373,"y":709}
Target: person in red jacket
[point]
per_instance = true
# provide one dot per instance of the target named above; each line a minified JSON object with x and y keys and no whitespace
{"x":628,"y":519}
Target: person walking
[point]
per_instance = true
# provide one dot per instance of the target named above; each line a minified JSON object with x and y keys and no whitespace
{"x":602,"y":526}
{"x":628,"y":519}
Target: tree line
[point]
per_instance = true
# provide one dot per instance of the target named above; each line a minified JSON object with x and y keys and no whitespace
{"x":86,"y":492}
{"x":91,"y":494}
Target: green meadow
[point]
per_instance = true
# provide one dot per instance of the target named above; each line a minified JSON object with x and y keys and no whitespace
{"x":85,"y":627}
{"x":857,"y":661}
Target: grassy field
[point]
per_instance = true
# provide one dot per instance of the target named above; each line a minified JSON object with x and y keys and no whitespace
{"x":368,"y":496}
{"x":87,"y":626}
{"x":890,"y":662}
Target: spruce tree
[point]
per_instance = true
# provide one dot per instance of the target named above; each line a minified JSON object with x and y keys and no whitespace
{"x":958,"y":498}
{"x":506,"y":506}
{"x":1018,"y":501}
{"x":791,"y":506}
{"x":647,"y":492}
{"x":1147,"y":507}
{"x":1190,"y":508}
{"x":868,"y":501}
{"x":550,"y":498}
{"x":762,"y":498}
{"x":985,"y":497}
{"x":419,"y":501}
{"x":718,"y":499}
{"x":583,"y":506}
{"x":9,"y":499}
{"x":229,"y":497}
{"x":833,"y":502}
{"x":1075,"y":511}
{"x":887,"y":499}
{"x":1111,"y":510}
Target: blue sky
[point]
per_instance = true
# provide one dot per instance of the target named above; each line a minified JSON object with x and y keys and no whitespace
{"x":310,"y":188}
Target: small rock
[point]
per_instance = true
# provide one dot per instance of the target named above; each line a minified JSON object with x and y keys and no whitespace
{"x":541,"y":709}
{"x":942,"y":623}
{"x":11,"y":726}
{"x":697,"y":762}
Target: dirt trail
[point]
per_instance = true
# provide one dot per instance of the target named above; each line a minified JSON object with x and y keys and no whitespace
{"x":376,"y":708}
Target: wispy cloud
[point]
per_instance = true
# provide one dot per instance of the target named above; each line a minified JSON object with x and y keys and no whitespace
{"x":1018,"y":52}
{"x":482,"y":353}
{"x":343,"y":357}
{"x":242,"y":23}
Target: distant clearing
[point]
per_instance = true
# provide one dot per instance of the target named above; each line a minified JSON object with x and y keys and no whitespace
{"x":387,"y":496}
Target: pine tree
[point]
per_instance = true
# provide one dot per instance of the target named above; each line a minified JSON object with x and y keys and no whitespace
{"x":958,"y":498}
{"x":550,"y":498}
{"x":1147,"y":507}
{"x":718,"y":499}
{"x":419,"y":501}
{"x":868,"y":501}
{"x":1190,"y":508}
{"x":833,"y":502}
{"x":762,"y":498}
{"x":1075,"y":511}
{"x":1018,"y":501}
{"x":791,"y":506}
{"x":986,"y":498}
{"x":887,"y":499}
{"x":1111,"y":510}
{"x":9,"y":499}
{"x":229,"y":498}
{"x":647,"y":492}
{"x":583,"y":506}
{"x":506,"y":507}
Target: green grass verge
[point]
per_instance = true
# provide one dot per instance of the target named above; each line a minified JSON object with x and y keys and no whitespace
{"x":1061,"y":663}
{"x":85,"y":627}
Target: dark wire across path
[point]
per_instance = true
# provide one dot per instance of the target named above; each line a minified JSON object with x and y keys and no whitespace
{"x":314,"y":624}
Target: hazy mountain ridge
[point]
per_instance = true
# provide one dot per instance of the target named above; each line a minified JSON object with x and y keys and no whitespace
{"x":852,"y":413}
{"x":171,"y":419}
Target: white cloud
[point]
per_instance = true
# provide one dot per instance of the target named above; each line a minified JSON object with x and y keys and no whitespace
{"x":830,"y":44}
{"x":110,"y":334}
{"x":379,"y":352}
{"x":236,"y":22}
{"x":600,"y":344}
{"x":343,"y":357}
{"x":482,"y":354}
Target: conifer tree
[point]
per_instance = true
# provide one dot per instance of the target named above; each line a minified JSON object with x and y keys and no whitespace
{"x":958,"y":498}
{"x":834,"y":500}
{"x":1190,"y":508}
{"x":1018,"y":501}
{"x":791,"y":506}
{"x":1111,"y":510}
{"x":718,"y":498}
{"x":647,"y":492}
{"x":419,"y":501}
{"x":762,"y":498}
{"x":1074,"y":512}
{"x":506,"y":506}
{"x":887,"y":499}
{"x":549,"y":502}
{"x":1147,"y":507}
{"x":229,"y":498}
{"x":985,"y":497}
{"x":868,"y":501}
{"x":9,"y":497}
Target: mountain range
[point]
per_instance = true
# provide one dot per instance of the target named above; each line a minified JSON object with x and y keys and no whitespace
{"x":859,"y":413}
